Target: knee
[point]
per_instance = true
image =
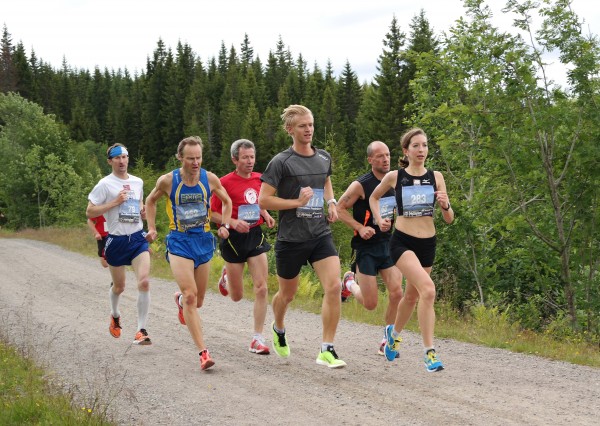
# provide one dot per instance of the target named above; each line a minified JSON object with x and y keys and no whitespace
{"x":428,"y":293}
{"x":395,"y":294}
{"x":285,"y":297}
{"x":190,"y":299}
{"x":260,"y":290}
{"x":370,"y":305}
{"x":144,"y":284}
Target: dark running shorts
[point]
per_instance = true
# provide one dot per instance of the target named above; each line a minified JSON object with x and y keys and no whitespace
{"x":424,"y":248}
{"x":120,"y":250}
{"x":240,"y":246}
{"x":290,"y":257}
{"x":372,"y":259}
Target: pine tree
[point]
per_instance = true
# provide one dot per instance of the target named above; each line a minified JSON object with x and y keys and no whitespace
{"x":8,"y":71}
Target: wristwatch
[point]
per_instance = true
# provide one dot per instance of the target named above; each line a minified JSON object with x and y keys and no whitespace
{"x":226,"y":225}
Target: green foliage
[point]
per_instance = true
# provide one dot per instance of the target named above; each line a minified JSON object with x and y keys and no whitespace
{"x":519,"y":154}
{"x":26,"y":398}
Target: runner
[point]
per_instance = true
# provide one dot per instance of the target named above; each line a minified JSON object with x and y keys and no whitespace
{"x":119,"y":197}
{"x":413,"y":242}
{"x":246,"y":242}
{"x":190,"y":244}
{"x":370,"y":246}
{"x":296,"y":182}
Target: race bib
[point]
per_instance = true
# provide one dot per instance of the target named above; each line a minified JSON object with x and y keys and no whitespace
{"x":417,"y":200}
{"x":314,"y":208}
{"x":249,"y":213}
{"x":387,"y":206}
{"x":191,"y":215}
{"x":129,"y":211}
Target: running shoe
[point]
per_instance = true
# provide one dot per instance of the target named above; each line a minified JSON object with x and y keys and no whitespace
{"x":381,"y":350}
{"x":180,"y":314}
{"x":223,"y":282}
{"x":257,"y":346}
{"x":115,"y":327}
{"x":330,"y":358}
{"x":346,"y":293}
{"x":205,"y":360}
{"x":392,"y":346}
{"x":432,"y":363}
{"x":280,"y":343}
{"x":141,"y":338}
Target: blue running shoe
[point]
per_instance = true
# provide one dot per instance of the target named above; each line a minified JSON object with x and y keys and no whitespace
{"x":392,"y":345}
{"x":432,"y":363}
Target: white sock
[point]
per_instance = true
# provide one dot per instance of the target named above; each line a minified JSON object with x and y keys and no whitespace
{"x":325,"y":346}
{"x":114,"y":303}
{"x":143,"y":307}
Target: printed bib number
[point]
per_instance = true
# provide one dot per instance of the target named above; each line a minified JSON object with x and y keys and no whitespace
{"x":249,"y":213}
{"x":191,"y":215}
{"x":417,"y":200}
{"x":387,"y":207}
{"x":129,"y":211}
{"x":314,"y":208}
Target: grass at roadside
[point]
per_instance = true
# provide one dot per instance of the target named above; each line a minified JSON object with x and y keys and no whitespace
{"x":27,"y":398}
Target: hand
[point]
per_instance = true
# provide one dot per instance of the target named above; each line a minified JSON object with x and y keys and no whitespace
{"x":270,"y":221}
{"x":385,"y":225}
{"x":366,"y":232}
{"x":332,"y":214}
{"x":306,"y":194}
{"x":97,"y":236}
{"x":442,"y":199}
{"x":151,"y":235}
{"x":223,"y":233}
{"x":240,"y":226}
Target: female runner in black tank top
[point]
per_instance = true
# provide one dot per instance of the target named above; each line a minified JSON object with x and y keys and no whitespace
{"x":413,"y":242}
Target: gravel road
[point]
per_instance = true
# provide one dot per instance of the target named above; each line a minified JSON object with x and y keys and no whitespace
{"x":54,"y":305}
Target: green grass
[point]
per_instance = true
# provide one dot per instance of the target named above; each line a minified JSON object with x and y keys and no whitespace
{"x":24,"y":394}
{"x":27,"y":398}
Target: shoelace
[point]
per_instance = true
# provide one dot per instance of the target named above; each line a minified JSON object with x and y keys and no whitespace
{"x":281,"y":337}
{"x":332,"y":351}
{"x":432,"y":356}
{"x":144,"y":332}
{"x":117,"y":323}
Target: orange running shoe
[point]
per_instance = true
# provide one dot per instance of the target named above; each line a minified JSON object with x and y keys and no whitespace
{"x":115,"y":327}
{"x":180,"y":315}
{"x":205,"y":360}
{"x":141,"y":338}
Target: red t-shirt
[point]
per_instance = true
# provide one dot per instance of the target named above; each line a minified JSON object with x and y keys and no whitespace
{"x":100,"y":225}
{"x":244,"y":196}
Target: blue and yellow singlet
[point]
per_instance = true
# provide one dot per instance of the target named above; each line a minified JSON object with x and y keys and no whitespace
{"x":188,"y":207}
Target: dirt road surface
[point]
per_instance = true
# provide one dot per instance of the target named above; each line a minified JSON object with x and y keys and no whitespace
{"x":54,"y":305}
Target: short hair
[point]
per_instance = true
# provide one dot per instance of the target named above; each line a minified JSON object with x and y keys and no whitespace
{"x":291,"y":112}
{"x":241,"y":143}
{"x":190,"y":140}
{"x":370,"y":147}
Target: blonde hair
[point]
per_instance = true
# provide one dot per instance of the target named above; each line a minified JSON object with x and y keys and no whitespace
{"x":290,"y":113}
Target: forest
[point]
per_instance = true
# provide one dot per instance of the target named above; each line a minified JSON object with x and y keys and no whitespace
{"x":518,"y":151}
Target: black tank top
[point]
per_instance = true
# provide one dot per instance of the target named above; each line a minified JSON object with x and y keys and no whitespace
{"x":415,"y":195}
{"x":361,"y":212}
